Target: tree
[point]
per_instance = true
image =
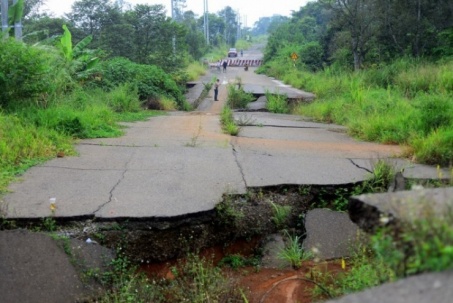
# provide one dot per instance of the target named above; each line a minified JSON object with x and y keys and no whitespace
{"x":88,"y":17}
{"x":195,"y":39}
{"x":231,"y":25}
{"x":153,"y":37}
{"x":411,"y":27}
{"x":357,"y":17}
{"x":116,"y":34}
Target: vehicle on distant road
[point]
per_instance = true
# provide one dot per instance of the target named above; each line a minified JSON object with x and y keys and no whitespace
{"x":232,"y":52}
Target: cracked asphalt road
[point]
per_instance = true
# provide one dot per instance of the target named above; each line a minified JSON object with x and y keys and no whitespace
{"x":182,"y":163}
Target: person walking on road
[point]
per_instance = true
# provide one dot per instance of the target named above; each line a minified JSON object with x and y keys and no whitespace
{"x":225,"y":64}
{"x":216,"y":90}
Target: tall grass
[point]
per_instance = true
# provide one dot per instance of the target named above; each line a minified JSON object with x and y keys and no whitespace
{"x":195,"y":70}
{"x":229,"y":126}
{"x":237,"y":97}
{"x":408,"y":103}
{"x":23,"y":145}
{"x":277,"y":103}
{"x":31,"y":134}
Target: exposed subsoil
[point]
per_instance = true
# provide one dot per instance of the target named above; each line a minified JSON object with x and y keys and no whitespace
{"x":261,"y":285}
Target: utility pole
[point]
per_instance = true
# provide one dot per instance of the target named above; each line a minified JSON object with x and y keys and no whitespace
{"x":18,"y":26}
{"x":5,"y":27}
{"x":173,"y":9}
{"x":174,"y":5}
{"x":238,"y":25}
{"x":206,"y":20}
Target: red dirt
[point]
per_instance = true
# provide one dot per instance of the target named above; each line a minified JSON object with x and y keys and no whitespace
{"x":285,"y":286}
{"x":263,"y":285}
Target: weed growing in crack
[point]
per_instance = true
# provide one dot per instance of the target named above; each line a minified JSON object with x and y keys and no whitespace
{"x":380,"y":179}
{"x":245,"y":120}
{"x":229,"y":126}
{"x":281,"y":214}
{"x":227,"y":213}
{"x":293,"y":253}
{"x":194,"y":140}
{"x":277,"y":103}
{"x":49,"y":224}
{"x":237,"y":97}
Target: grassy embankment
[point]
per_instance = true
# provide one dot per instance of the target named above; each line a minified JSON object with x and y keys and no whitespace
{"x":409,"y":103}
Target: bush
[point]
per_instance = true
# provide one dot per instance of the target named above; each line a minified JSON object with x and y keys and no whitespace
{"x":436,"y":148}
{"x":229,"y":126}
{"x":24,"y":73}
{"x":277,"y":103}
{"x":238,"y":98}
{"x":434,"y":111}
{"x":124,"y":98}
{"x":151,"y":81}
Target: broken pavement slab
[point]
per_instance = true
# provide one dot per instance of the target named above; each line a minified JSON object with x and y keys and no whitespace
{"x":424,"y":288}
{"x":39,"y":270}
{"x":330,"y":234}
{"x":373,"y":210}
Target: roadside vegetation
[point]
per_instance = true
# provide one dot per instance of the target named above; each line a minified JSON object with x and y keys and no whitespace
{"x":424,"y":245}
{"x":385,"y":87}
{"x":71,"y":80}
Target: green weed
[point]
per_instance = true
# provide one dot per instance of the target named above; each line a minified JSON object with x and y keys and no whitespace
{"x":281,"y":214}
{"x":277,"y":103}
{"x":406,"y":103}
{"x":194,"y":140}
{"x":237,"y":261}
{"x":237,"y":97}
{"x":422,"y":245}
{"x":49,"y":224}
{"x":293,"y":253}
{"x":229,"y":126}
{"x":227,"y":213}
{"x":197,"y":280}
{"x":125,"y":284}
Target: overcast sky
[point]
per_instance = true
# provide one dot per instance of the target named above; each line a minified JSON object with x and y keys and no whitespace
{"x":249,"y":10}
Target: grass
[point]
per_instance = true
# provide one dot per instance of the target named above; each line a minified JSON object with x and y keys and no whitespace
{"x":420,"y":246}
{"x":229,"y":126}
{"x":281,"y":214}
{"x":33,"y":134}
{"x":194,"y":280}
{"x":237,"y":97}
{"x":407,"y":102}
{"x":293,"y":253}
{"x":277,"y":103}
{"x":195,"y":70}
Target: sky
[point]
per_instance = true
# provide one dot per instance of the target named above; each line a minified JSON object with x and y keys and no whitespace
{"x":249,"y":10}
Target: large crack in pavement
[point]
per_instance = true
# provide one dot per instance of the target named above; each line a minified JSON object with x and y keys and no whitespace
{"x":116,"y":185}
{"x":358,"y":166}
{"x":233,"y":147}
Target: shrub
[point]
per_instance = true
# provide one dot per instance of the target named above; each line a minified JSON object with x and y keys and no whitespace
{"x":197,"y":280}
{"x":24,"y":73}
{"x":238,"y":98}
{"x":124,"y":98}
{"x":435,"y":148}
{"x":151,"y":81}
{"x":293,"y":253}
{"x":281,"y":214}
{"x":433,"y":112}
{"x":277,"y":103}
{"x":229,"y":126}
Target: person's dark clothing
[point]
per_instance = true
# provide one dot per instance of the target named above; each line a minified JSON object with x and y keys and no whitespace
{"x":216,"y":91}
